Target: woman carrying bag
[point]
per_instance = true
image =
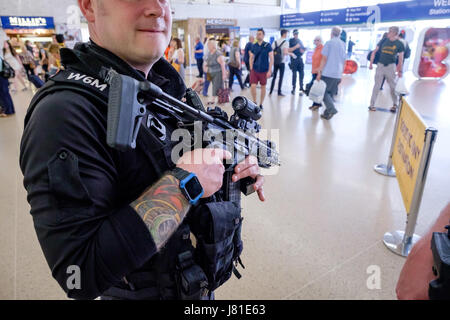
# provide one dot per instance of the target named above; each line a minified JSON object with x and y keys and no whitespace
{"x":12,"y":58}
{"x":316,"y":58}
{"x":214,"y":66}
{"x":176,"y":56}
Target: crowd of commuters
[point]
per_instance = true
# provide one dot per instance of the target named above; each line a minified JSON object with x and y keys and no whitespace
{"x":219,"y":63}
{"x":33,"y":64}
{"x":264,"y":60}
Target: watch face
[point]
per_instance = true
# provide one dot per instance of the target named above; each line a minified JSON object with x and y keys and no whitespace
{"x":193,"y":187}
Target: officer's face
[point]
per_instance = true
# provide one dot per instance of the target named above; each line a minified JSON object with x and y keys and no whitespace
{"x":136,"y":30}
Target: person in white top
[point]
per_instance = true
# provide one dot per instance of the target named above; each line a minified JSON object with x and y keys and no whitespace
{"x":176,"y":56}
{"x":13,"y":59}
{"x":280,"y":53}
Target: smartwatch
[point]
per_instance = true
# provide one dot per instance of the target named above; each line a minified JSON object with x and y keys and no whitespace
{"x":189,"y":185}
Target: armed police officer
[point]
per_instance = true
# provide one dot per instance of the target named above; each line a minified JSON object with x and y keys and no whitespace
{"x":124,"y":219}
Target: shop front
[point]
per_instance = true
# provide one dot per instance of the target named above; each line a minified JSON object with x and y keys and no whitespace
{"x":34,"y":29}
{"x":188,"y":30}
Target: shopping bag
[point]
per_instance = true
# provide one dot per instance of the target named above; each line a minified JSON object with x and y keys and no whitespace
{"x":224,"y":94}
{"x":400,"y":88}
{"x":36,"y":81}
{"x":176,"y":66}
{"x":317,"y":91}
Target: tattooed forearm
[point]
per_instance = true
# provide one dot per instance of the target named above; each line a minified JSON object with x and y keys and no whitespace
{"x":163,"y":208}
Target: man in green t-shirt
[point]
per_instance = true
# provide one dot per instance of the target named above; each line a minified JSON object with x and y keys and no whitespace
{"x":390,"y":48}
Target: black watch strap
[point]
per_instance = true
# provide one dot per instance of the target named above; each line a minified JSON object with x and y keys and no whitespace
{"x":180,"y":174}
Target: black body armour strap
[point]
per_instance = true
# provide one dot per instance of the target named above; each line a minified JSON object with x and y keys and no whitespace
{"x":73,"y":81}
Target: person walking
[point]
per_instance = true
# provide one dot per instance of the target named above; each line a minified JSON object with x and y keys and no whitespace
{"x":235,"y":64}
{"x":316,"y":60}
{"x":12,"y":58}
{"x":280,"y":53}
{"x":199,"y":56}
{"x":27,"y":59}
{"x":389,"y":49}
{"x":248,"y":47}
{"x":176,"y":56}
{"x":214,"y":66}
{"x":350,"y":46}
{"x":261,"y":63}
{"x":297,"y":65}
{"x":6,"y":103}
{"x":206,"y":82}
{"x":330,"y":70}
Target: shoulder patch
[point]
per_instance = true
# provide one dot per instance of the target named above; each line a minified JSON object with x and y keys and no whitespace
{"x":82,"y":79}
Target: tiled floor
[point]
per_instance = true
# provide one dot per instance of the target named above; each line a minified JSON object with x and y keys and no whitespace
{"x":318,"y":236}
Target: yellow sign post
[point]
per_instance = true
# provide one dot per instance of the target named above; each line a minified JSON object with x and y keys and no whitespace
{"x":410,"y":155}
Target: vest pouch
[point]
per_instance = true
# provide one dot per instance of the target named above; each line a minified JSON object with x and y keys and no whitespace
{"x":192,"y":282}
{"x":215,"y":225}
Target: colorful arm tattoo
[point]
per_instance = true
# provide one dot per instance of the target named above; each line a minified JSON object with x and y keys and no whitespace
{"x":163,"y":208}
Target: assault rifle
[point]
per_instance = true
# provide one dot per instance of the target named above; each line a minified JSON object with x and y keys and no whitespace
{"x":128,"y":103}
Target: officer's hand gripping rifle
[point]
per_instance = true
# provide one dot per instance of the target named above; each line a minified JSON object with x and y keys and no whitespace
{"x":129,"y":98}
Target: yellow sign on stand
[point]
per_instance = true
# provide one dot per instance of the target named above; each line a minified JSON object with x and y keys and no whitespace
{"x":408,"y":150}
{"x":410,"y":154}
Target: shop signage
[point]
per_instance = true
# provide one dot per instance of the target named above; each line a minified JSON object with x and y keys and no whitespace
{"x":397,"y":11}
{"x":222,"y":22}
{"x":15,"y":22}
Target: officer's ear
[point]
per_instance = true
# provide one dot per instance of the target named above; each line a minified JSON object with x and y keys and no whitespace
{"x":87,"y":8}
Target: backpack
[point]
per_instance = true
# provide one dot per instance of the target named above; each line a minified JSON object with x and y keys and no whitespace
{"x":377,"y":55}
{"x":407,"y":51}
{"x":278,"y":54}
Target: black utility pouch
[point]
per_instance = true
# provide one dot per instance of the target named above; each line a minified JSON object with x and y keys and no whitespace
{"x":217,"y":227}
{"x":192,"y":282}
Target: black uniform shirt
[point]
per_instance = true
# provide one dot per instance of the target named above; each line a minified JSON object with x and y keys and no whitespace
{"x":80,"y":189}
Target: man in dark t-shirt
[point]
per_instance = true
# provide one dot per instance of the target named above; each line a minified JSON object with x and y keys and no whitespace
{"x":261,"y":63}
{"x":389,"y":49}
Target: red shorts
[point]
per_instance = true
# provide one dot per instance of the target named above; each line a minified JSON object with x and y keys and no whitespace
{"x":256,"y":77}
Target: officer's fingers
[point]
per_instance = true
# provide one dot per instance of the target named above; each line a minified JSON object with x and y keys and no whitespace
{"x":259,"y":182}
{"x":251,"y":171}
{"x":248,"y":162}
{"x":261,"y":195}
{"x":221,"y":154}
